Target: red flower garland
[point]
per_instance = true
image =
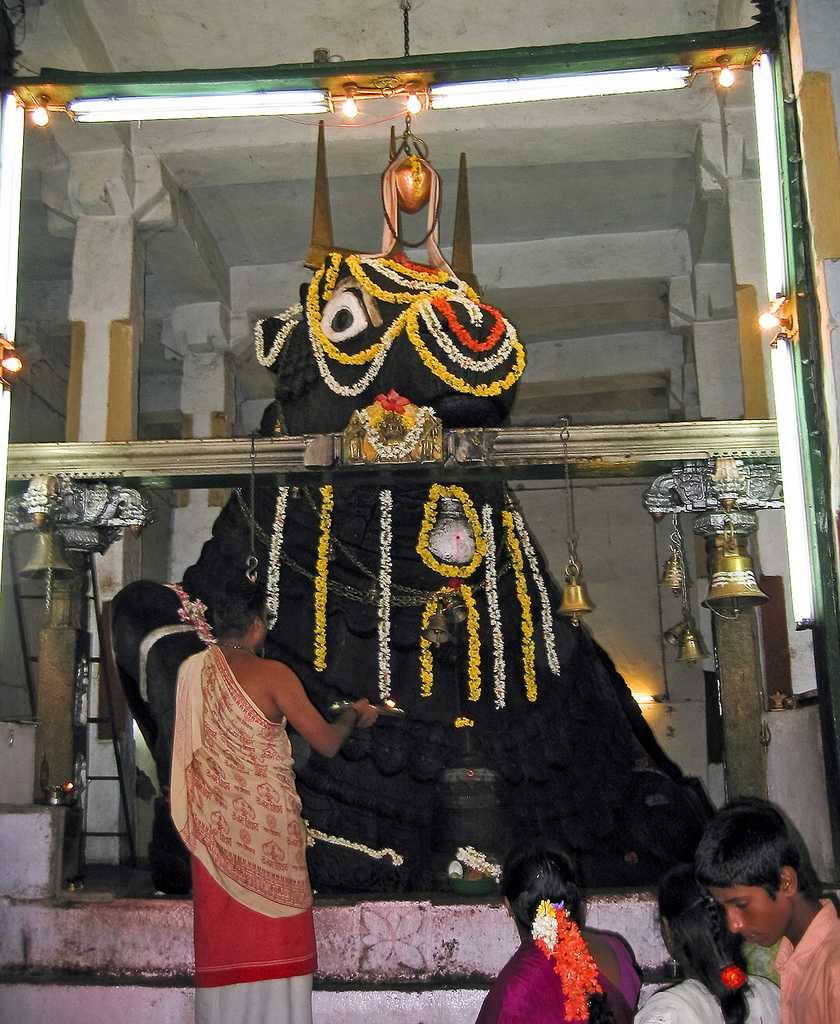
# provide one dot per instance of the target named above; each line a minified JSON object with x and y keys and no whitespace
{"x":574,"y":965}
{"x":460,"y":331}
{"x":733,"y":977}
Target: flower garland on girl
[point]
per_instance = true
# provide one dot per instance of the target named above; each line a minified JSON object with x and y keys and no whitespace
{"x":560,"y":939}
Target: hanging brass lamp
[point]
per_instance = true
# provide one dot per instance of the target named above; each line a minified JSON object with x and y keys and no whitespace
{"x":732,"y":586}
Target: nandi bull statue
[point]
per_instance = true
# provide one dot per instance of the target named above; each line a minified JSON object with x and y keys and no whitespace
{"x":434,"y":597}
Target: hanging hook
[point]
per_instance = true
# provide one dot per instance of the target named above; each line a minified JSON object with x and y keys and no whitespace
{"x":252,"y":563}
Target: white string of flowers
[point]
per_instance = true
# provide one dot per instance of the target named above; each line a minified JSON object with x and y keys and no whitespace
{"x":475,"y":859}
{"x":290,"y":318}
{"x":500,"y":354}
{"x":395,"y":450}
{"x":386,"y":504}
{"x":545,"y":604}
{"x":313,"y":834}
{"x":273,"y":577}
{"x":492,"y":592}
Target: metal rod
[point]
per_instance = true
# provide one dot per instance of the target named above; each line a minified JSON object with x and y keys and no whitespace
{"x":28,"y":659}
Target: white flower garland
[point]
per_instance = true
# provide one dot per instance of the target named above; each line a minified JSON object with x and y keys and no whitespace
{"x":503,"y":350}
{"x":315,"y":833}
{"x":545,"y":924}
{"x":291,"y":318}
{"x":386,"y":504}
{"x":476,"y":860}
{"x":273,"y":578}
{"x":545,"y":604}
{"x":395,"y":451}
{"x":353,"y":390}
{"x":492,"y":592}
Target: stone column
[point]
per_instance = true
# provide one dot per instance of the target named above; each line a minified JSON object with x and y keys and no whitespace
{"x":200,"y":333}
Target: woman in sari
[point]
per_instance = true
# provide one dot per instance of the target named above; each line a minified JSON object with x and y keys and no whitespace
{"x":235,"y":805}
{"x":560,"y":974}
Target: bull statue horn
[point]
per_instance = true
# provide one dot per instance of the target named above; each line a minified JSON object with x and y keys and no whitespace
{"x":321,"y":242}
{"x":462,"y":261}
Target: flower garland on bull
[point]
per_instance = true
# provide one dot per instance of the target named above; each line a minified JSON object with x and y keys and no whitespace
{"x":464,"y":342}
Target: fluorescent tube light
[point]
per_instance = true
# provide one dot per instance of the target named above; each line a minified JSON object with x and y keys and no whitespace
{"x":11,"y":164}
{"x":558,"y":87}
{"x":791,"y":452}
{"x":770,"y":175}
{"x":162,"y":108}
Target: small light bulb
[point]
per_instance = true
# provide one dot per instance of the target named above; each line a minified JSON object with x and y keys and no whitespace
{"x":40,"y":116}
{"x":350,"y":108}
{"x":12,"y":362}
{"x":726,"y":78}
{"x":768,"y":321}
{"x":413,"y":104}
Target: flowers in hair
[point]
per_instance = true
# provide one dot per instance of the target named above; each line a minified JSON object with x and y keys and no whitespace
{"x":560,"y":939}
{"x":386,"y":504}
{"x":733,"y":977}
{"x":475,"y":859}
{"x":319,"y":643}
{"x":492,"y":593}
{"x":193,"y":613}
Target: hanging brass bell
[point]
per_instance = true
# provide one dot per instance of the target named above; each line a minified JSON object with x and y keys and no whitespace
{"x":456,"y":609}
{"x":691,"y":647}
{"x":47,"y":554}
{"x":733,"y":584}
{"x":576,"y":600}
{"x":437,"y":631}
{"x":673,"y":573}
{"x":673,"y":635}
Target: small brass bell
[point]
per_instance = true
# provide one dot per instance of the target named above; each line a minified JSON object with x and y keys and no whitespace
{"x":457,"y":610}
{"x":673,"y":573}
{"x":733,"y":584}
{"x":691,"y":647}
{"x":576,"y":600}
{"x":673,"y":635}
{"x":47,"y":554}
{"x":437,"y":631}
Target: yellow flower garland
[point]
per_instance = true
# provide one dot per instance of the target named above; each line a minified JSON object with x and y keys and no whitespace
{"x":331,"y":277}
{"x":430,"y":514}
{"x":527,"y":622}
{"x":426,"y":665}
{"x":473,"y":645}
{"x":431,"y":362}
{"x":313,"y":315}
{"x":463,"y":723}
{"x":319,"y":661}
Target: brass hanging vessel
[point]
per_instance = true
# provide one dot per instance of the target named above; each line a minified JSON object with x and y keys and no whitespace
{"x":47,"y":558}
{"x":732,"y":585}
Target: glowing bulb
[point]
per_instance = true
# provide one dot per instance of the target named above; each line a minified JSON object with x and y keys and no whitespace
{"x":413,"y":104}
{"x":40,"y":116}
{"x":726,"y":78}
{"x":768,"y":321}
{"x":12,"y":362}
{"x":643,"y":698}
{"x":350,"y":108}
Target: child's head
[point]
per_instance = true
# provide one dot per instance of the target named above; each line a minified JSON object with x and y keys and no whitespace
{"x":539,"y":871}
{"x":695,"y":932}
{"x":751,"y":862}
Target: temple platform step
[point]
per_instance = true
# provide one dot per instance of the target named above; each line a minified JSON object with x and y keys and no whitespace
{"x":93,"y":957}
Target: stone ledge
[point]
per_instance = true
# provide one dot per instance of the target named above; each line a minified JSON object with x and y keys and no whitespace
{"x":371,"y":942}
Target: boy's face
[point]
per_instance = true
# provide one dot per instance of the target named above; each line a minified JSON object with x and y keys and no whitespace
{"x":753,"y":913}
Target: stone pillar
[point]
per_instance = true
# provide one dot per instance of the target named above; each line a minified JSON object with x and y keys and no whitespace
{"x":200,"y":333}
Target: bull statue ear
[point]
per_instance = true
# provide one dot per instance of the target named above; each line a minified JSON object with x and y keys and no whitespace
{"x":462,"y":261}
{"x":321,"y":242}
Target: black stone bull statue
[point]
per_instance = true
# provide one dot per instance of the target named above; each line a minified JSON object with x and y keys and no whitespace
{"x":516,"y":722}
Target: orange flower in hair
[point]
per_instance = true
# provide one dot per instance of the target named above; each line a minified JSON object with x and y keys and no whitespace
{"x":559,"y":938}
{"x":733,"y":977}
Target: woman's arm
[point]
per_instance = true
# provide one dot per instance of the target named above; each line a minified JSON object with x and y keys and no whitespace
{"x":326,"y":737}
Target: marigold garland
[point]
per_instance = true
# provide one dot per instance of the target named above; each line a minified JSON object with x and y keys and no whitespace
{"x":545,"y":604}
{"x":560,"y":939}
{"x":462,"y":722}
{"x":473,"y":645}
{"x":430,"y":514}
{"x":313,"y":317}
{"x":463,"y":335}
{"x":527,"y":622}
{"x":319,"y":662}
{"x":331,"y":276}
{"x":427,"y":673}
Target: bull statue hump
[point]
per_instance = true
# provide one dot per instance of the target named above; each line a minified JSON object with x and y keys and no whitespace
{"x":436,"y":597}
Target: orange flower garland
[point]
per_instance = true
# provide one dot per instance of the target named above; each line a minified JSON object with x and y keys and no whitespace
{"x":559,"y":938}
{"x":462,"y":334}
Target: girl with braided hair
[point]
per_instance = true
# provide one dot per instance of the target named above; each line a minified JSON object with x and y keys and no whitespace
{"x":560,"y":974}
{"x":717,"y":989}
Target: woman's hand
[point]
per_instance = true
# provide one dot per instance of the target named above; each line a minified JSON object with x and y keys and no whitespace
{"x":366,"y":713}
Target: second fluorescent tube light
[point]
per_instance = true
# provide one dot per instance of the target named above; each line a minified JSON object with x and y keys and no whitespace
{"x":159,"y":108}
{"x":558,"y":87}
